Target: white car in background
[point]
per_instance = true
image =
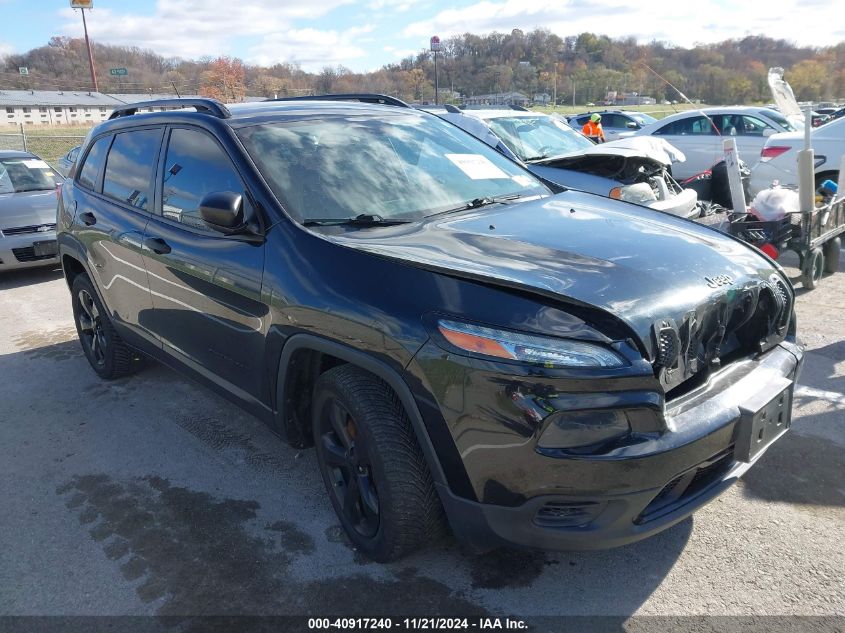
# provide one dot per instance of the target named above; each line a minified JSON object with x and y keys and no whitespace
{"x":779,"y":157}
{"x":699,"y":134}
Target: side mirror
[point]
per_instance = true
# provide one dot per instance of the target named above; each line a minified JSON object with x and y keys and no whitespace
{"x":632,"y":125}
{"x":222,"y":210}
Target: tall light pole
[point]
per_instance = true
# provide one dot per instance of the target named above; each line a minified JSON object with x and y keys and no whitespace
{"x":82,"y":5}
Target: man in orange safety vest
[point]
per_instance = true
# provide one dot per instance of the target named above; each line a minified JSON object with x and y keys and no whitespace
{"x":592,"y":128}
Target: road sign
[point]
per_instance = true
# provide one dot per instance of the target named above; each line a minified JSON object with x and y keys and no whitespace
{"x":436,"y":46}
{"x":116,"y":72}
{"x":81,"y":4}
{"x":23,"y":70}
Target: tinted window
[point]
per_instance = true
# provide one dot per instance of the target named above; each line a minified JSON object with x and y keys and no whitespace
{"x":195,"y":165}
{"x":695,"y":125}
{"x":94,"y":162}
{"x":613,"y":120}
{"x":781,"y":120}
{"x":129,"y":168}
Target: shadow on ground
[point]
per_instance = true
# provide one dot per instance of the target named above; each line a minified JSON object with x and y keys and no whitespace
{"x":187,"y":550}
{"x":29,"y":277}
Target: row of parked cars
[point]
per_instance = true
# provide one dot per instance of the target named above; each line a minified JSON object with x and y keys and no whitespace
{"x":465,"y":342}
{"x":643,"y":162}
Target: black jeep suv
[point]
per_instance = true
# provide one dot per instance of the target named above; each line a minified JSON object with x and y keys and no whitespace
{"x":548,"y":369}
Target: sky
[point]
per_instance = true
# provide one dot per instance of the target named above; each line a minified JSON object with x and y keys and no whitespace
{"x":364,"y":35}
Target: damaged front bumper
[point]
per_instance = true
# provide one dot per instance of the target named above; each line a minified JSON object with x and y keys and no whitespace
{"x":560,"y":500}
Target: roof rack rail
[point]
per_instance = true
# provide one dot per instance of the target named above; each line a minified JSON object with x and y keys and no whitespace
{"x":364,"y":97}
{"x":207,"y":106}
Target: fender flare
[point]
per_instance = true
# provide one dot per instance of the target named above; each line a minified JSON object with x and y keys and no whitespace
{"x":376,"y":367}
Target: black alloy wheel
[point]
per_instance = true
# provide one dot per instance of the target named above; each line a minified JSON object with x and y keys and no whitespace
{"x":91,"y":332}
{"x":348,"y":467}
{"x":106,"y":352}
{"x":374,"y":471}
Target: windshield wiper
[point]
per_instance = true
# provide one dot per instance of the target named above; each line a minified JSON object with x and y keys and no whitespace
{"x":477,"y":203}
{"x":364,"y":219}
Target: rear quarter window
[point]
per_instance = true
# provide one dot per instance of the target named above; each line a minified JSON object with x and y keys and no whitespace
{"x":89,"y":174}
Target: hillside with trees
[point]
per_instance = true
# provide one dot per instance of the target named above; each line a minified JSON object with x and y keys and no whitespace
{"x":732,"y":71}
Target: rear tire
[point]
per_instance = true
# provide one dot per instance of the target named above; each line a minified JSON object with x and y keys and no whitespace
{"x":832,"y":250}
{"x":813,"y":269}
{"x":363,"y":437}
{"x":106,"y":352}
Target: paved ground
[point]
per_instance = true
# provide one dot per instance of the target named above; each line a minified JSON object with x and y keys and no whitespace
{"x":151,"y":495}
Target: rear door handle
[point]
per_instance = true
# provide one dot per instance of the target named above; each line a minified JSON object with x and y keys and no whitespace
{"x":88,"y":218}
{"x":157,"y":245}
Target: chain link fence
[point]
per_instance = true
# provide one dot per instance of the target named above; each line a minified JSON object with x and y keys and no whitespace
{"x":47,"y":146}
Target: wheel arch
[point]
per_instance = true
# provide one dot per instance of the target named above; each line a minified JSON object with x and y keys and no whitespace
{"x":318,"y":354}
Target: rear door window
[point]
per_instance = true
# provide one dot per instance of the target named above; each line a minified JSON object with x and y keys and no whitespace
{"x":130,"y":167}
{"x":90,"y":172}
{"x":690,"y":126}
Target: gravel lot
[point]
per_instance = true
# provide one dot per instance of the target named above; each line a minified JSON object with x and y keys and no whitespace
{"x":151,"y":495}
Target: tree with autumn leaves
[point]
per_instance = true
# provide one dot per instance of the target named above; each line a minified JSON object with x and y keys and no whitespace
{"x":224,"y":80}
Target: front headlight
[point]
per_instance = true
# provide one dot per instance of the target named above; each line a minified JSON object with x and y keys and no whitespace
{"x":638,"y":193}
{"x":528,"y":348}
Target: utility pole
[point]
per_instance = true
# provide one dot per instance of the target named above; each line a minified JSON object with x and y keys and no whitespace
{"x":90,"y":55}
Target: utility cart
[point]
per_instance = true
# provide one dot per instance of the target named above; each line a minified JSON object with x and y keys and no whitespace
{"x":814,"y":235}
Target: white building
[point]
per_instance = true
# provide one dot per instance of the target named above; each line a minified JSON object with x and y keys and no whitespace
{"x":54,"y":107}
{"x":63,"y":107}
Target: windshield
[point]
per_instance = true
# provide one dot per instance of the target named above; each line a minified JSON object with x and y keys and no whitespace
{"x":781,"y":120}
{"x":26,"y":173}
{"x":538,"y":137}
{"x":393,"y":166}
{"x":642,"y":119}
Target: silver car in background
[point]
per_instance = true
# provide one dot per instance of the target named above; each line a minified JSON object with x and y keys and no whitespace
{"x":27,"y":211}
{"x":634,"y":170}
{"x":66,"y":162}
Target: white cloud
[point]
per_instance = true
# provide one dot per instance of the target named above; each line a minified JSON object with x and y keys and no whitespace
{"x":679,"y":23}
{"x":6,"y":49}
{"x":312,"y":49}
{"x":189,"y":28}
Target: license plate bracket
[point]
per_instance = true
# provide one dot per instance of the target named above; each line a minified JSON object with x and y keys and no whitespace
{"x":45,"y":247}
{"x":762,"y":420}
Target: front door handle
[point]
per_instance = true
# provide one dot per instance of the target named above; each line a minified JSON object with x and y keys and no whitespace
{"x":157,"y":245}
{"x":88,"y":218}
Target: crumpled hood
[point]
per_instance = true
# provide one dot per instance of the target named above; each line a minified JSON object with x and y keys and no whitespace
{"x":784,"y":97}
{"x":638,"y":264}
{"x":27,"y":208}
{"x":649,"y":148}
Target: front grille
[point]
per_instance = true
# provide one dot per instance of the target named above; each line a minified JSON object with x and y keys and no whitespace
{"x":21,"y":230}
{"x":28,"y":255}
{"x":740,"y":324}
{"x":688,"y":485}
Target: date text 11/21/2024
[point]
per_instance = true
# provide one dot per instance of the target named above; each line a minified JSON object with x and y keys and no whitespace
{"x":416,"y":624}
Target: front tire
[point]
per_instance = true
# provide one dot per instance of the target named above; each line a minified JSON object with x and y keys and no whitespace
{"x":106,"y":352}
{"x":374,"y":471}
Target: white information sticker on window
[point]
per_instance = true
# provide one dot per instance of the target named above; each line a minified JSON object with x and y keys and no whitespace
{"x":476,"y":166}
{"x":35,"y":163}
{"x":525,"y":181}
